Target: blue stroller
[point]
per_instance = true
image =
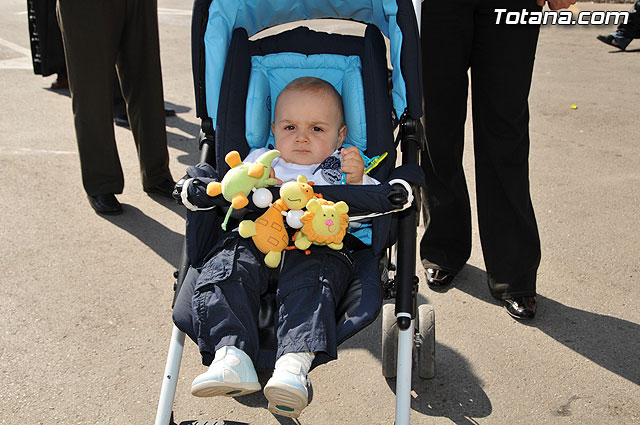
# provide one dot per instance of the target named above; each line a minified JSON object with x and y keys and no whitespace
{"x":237,"y":77}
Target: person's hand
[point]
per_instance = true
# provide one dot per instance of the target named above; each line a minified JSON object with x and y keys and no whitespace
{"x":352,"y":165}
{"x":557,"y":4}
{"x":272,"y":175}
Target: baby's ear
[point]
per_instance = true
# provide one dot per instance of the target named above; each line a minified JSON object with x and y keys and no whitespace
{"x":273,"y":127}
{"x":342,"y":134}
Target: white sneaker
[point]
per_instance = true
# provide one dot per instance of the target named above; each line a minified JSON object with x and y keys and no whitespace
{"x":288,"y":389}
{"x":231,"y":374}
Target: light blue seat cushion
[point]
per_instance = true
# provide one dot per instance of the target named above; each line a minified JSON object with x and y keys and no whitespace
{"x":256,"y":15}
{"x":271,"y":73}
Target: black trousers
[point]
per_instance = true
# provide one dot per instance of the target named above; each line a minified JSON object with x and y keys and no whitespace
{"x":458,"y":35}
{"x":98,"y":35}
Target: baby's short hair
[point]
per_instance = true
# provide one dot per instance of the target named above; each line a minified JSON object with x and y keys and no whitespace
{"x":318,"y":85}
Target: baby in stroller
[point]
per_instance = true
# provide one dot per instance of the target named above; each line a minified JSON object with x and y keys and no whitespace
{"x":238,"y":73}
{"x":308,"y":129}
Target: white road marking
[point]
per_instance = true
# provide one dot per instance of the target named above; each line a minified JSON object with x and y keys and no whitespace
{"x":18,"y":63}
{"x":23,"y":62}
{"x":15,"y":47}
{"x":165,"y":11}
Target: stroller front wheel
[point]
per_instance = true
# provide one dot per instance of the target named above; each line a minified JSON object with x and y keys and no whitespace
{"x":389,"y":341}
{"x":426,"y":349}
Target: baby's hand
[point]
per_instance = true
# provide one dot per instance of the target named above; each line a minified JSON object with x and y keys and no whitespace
{"x":272,"y":175}
{"x":352,"y":165}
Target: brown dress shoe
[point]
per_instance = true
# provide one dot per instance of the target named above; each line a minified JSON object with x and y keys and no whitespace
{"x":60,"y":83}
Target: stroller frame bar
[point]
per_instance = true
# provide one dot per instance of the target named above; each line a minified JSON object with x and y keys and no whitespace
{"x":170,"y":377}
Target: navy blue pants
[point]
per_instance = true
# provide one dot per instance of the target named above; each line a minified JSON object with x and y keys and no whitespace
{"x":220,"y":307}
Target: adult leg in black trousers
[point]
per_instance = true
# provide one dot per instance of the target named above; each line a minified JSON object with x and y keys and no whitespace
{"x":138,"y":66}
{"x":120,"y":117}
{"x":99,"y":35}
{"x":501,"y":61}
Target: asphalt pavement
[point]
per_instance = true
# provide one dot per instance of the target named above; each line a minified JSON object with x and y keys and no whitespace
{"x":85,"y":300}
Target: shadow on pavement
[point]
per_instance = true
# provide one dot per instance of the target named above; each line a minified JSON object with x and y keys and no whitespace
{"x":163,"y":241}
{"x":625,"y":51}
{"x":454,"y":393}
{"x":170,"y":204}
{"x":189,"y":145}
{"x":612,"y":343}
{"x":63,"y":92}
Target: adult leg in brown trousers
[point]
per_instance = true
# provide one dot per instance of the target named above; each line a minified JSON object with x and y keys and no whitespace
{"x":98,"y":35}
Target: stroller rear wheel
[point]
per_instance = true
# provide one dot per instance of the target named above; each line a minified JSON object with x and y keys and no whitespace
{"x":389,"y":341}
{"x":426,"y":349}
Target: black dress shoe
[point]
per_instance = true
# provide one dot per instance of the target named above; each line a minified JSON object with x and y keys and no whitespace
{"x":521,"y":307}
{"x":165,"y":188}
{"x":613,"y":41}
{"x":105,"y":203}
{"x":438,"y":279}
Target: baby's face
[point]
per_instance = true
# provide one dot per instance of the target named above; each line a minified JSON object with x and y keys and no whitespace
{"x":307,"y":126}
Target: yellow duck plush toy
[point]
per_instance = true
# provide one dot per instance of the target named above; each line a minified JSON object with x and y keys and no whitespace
{"x":324,"y":223}
{"x":268,"y":231}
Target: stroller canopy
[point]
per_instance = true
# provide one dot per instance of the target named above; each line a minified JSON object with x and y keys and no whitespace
{"x":395,"y":18}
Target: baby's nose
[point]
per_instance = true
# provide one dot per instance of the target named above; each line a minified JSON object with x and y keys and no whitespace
{"x":302,"y":136}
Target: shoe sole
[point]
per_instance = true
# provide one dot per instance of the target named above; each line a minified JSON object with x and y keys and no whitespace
{"x":224,"y":389}
{"x":109,"y":212}
{"x":285,"y":400}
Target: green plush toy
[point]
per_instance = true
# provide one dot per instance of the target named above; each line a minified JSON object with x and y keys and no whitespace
{"x":241,"y":179}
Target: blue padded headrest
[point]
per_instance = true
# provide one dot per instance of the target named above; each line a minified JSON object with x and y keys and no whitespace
{"x":271,"y":73}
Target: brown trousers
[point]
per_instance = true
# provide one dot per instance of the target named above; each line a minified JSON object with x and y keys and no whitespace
{"x":98,"y":35}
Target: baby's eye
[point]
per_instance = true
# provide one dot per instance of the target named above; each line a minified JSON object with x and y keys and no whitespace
{"x":289,"y":127}
{"x":316,"y":128}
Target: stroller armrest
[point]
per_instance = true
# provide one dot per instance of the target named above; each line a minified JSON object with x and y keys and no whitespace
{"x":398,"y":195}
{"x":362,"y":199}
